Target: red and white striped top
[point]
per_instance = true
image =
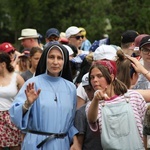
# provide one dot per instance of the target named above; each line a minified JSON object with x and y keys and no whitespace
{"x":139,"y":108}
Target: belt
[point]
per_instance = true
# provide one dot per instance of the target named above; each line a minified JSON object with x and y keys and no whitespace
{"x":51,"y":136}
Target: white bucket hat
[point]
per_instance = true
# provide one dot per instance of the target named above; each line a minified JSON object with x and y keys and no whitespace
{"x":28,"y":33}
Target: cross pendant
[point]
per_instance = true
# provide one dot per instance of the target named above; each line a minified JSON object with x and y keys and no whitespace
{"x":55,"y":98}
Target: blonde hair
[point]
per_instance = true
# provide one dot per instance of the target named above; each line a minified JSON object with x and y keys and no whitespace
{"x":83,"y":31}
{"x":89,"y":57}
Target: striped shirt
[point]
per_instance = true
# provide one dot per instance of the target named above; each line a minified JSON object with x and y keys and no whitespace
{"x":139,"y":108}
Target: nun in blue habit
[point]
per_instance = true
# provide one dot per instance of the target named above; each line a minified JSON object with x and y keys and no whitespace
{"x":45,"y":106}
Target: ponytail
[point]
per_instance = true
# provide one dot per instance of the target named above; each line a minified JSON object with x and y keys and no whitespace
{"x":119,"y":87}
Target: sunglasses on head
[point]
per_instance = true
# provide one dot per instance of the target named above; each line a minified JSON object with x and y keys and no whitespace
{"x":78,"y":37}
{"x":11,"y":52}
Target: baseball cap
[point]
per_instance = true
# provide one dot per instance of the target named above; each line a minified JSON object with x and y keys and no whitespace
{"x":69,"y":49}
{"x":138,"y":40}
{"x":85,"y":79}
{"x":145,"y":40}
{"x":105,"y":52}
{"x":25,"y":52}
{"x":73,"y":30}
{"x":52,"y":31}
{"x":129,"y":36}
{"x":6,"y":47}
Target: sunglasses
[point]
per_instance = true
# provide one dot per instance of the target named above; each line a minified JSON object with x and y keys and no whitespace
{"x":78,"y":37}
{"x":11,"y":52}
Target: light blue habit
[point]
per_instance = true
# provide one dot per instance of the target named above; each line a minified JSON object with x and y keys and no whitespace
{"x":46,"y":114}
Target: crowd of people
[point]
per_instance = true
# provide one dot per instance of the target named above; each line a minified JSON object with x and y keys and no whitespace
{"x":71,"y":94}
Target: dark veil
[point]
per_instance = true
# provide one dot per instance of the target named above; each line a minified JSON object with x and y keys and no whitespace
{"x":41,"y":68}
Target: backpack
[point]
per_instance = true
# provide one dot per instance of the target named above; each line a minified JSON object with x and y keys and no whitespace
{"x":119,"y":129}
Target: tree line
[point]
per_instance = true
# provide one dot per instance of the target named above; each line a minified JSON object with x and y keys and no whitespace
{"x":98,"y":17}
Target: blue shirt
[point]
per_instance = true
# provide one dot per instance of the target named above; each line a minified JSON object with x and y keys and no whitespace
{"x":46,"y":114}
{"x":86,"y":45}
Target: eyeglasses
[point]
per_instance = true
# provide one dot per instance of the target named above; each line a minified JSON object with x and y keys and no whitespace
{"x":145,"y":51}
{"x":11,"y":52}
{"x":78,"y":37}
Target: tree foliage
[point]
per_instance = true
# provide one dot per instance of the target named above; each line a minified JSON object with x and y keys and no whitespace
{"x":129,"y":15}
{"x":90,"y":14}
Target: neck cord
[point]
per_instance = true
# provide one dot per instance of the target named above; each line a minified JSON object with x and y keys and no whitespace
{"x":55,"y":99}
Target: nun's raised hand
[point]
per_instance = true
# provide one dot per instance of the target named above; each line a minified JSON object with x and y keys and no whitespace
{"x":31,"y":93}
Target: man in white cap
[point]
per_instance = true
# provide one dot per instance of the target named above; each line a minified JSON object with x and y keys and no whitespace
{"x":74,"y":36}
{"x":29,"y":38}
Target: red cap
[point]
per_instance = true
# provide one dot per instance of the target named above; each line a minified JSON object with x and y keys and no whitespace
{"x":63,"y":40}
{"x":138,"y":40}
{"x":6,"y":47}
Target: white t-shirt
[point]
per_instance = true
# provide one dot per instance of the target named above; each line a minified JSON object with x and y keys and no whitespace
{"x":81,"y":92}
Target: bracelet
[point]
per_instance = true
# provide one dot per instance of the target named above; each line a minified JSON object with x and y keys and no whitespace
{"x":146,"y":73}
{"x":26,"y":105}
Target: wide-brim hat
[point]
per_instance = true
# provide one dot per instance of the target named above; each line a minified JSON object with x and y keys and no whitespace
{"x":28,"y":33}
